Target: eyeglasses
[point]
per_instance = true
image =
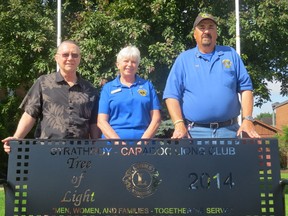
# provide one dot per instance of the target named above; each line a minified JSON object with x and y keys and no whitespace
{"x":66,"y":55}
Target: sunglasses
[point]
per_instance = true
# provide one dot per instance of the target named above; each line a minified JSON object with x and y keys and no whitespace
{"x":66,"y":55}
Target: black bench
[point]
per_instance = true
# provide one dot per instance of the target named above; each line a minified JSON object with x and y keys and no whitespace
{"x":237,"y":177}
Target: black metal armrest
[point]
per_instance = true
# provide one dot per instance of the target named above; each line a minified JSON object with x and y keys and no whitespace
{"x":283,"y":183}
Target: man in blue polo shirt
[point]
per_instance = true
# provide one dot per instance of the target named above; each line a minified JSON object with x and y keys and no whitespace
{"x":202,"y":88}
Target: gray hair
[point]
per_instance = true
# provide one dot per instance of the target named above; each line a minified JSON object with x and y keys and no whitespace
{"x":129,"y":52}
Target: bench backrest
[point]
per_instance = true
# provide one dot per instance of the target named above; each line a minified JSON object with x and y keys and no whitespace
{"x":150,"y":177}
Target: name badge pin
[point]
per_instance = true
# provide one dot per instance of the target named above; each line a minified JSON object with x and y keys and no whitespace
{"x":116,"y":90}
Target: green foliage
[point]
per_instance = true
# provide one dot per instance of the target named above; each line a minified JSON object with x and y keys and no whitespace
{"x":264,"y":115}
{"x":26,"y":41}
{"x":284,"y":137}
{"x":166,"y":129}
{"x":9,"y":116}
{"x":100,"y":51}
{"x":283,"y":146}
{"x":264,"y":33}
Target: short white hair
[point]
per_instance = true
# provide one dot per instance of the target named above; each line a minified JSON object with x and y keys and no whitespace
{"x":129,"y":52}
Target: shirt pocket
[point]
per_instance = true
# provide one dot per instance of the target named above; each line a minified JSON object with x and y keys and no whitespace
{"x":229,"y":79}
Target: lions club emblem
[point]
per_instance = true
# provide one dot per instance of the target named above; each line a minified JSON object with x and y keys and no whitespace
{"x":227,"y":63}
{"x":142,"y":92}
{"x":141,"y":179}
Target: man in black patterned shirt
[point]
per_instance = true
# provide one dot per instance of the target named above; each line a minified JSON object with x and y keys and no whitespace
{"x":64,"y":105}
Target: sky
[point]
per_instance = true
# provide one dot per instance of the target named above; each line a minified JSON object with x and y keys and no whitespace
{"x":275,"y":97}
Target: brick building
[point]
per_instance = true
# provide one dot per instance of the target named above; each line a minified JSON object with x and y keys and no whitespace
{"x":266,"y":130}
{"x":280,"y":119}
{"x":281,"y":114}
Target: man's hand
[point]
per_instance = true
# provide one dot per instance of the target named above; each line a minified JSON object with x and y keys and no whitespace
{"x":6,"y":144}
{"x":248,"y":127}
{"x":180,"y":131}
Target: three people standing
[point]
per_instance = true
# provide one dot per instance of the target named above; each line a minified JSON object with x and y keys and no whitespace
{"x":201,"y":95}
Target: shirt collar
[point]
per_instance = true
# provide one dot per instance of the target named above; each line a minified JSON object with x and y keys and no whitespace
{"x":59,"y":79}
{"x":116,"y":81}
{"x":216,"y":52}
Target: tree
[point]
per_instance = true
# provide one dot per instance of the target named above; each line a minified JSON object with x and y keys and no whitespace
{"x":264,"y":32}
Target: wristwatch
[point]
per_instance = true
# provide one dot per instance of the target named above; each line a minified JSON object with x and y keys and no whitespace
{"x":249,"y":118}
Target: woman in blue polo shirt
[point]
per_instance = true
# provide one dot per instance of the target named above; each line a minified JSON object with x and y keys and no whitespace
{"x":129,"y":107}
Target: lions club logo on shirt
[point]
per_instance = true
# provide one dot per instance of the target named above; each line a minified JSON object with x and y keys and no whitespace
{"x":227,"y":63}
{"x":142,"y":92}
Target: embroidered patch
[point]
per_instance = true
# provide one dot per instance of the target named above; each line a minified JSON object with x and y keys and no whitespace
{"x":142,"y":92}
{"x":205,"y":15}
{"x":227,"y":63}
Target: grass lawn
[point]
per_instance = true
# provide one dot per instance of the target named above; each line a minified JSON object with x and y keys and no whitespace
{"x":284,"y":175}
{"x":2,"y":210}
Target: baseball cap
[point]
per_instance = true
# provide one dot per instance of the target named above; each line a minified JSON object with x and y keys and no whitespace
{"x":202,"y":16}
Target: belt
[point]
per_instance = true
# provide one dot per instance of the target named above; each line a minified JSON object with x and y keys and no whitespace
{"x":213,"y":125}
